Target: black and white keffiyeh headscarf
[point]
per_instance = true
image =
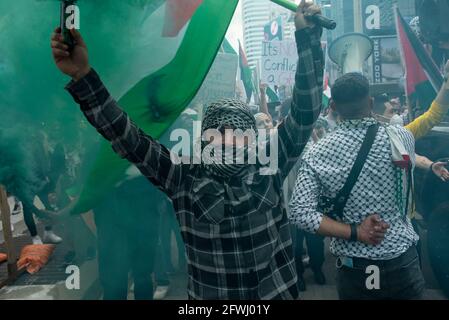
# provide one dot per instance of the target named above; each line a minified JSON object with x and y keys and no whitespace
{"x":227,"y":114}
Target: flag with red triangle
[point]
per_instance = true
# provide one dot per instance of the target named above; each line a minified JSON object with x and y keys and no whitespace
{"x":191,"y":34}
{"x":153,"y":55}
{"x":422,"y":76}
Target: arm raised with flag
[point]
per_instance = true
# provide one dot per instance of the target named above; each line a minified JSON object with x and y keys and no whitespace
{"x":295,"y":131}
{"x":103,"y":112}
{"x":422,"y":125}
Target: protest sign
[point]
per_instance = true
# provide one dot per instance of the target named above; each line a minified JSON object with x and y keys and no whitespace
{"x":279,"y":63}
{"x":221,"y":80}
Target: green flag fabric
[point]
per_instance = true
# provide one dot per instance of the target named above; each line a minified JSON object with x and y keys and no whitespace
{"x":153,"y":56}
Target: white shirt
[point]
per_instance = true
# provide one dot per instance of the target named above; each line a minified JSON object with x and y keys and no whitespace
{"x":324,"y":171}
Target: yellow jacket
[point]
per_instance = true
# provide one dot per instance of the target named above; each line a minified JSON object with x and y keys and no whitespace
{"x":422,"y":125}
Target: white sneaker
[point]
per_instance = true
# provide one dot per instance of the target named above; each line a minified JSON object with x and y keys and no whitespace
{"x":161,"y":292}
{"x":51,"y":237}
{"x":306,"y":261}
{"x":36,"y":240}
{"x":18,"y":208}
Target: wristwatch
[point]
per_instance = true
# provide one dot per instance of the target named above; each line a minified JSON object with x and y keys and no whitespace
{"x":431,"y":166}
{"x":354,"y":236}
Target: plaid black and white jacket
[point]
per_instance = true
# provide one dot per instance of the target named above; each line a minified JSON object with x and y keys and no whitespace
{"x":236,"y":232}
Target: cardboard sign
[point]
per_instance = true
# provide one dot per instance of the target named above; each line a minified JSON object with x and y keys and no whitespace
{"x":279,"y":63}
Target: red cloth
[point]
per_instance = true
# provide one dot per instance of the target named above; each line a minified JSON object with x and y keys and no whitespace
{"x":177,"y":14}
{"x":414,"y":71}
{"x":34,"y":256}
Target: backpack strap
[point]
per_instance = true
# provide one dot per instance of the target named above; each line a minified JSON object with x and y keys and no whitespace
{"x":343,"y":195}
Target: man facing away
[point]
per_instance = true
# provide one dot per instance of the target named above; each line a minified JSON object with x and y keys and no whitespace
{"x":380,"y":196}
{"x":233,"y":219}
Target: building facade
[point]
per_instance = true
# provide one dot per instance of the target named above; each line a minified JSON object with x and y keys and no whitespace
{"x":256,"y":14}
{"x":355,"y":15}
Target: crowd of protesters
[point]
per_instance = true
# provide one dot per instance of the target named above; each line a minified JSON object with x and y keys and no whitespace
{"x":345,"y":172}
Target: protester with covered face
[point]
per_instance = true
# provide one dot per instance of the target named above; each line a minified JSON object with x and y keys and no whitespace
{"x":233,"y":219}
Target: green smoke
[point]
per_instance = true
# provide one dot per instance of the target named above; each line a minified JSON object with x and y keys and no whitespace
{"x":16,"y":167}
{"x":32,"y":95}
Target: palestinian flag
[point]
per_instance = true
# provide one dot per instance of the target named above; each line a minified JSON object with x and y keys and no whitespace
{"x":272,"y":95}
{"x":226,"y":47}
{"x":184,"y":37}
{"x":423,"y":78}
{"x":245,"y":73}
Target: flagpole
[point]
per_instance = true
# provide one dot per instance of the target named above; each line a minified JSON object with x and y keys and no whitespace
{"x":318,"y":19}
{"x":286,"y":4}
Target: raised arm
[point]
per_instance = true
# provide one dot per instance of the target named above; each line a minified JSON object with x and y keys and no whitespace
{"x":263,"y":100}
{"x":295,"y":130}
{"x":103,"y":113}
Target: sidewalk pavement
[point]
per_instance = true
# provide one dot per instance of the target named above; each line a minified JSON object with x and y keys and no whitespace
{"x":50,"y":282}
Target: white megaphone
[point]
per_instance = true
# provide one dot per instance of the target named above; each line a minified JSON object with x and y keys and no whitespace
{"x":350,"y":51}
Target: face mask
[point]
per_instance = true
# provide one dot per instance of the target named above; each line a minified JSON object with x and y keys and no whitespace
{"x":229,"y":163}
{"x":221,"y":114}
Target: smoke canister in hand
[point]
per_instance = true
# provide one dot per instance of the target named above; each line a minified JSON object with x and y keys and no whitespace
{"x":68,"y":19}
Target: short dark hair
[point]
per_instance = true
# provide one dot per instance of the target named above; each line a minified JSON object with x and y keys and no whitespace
{"x":351,"y":87}
{"x":379,"y":104}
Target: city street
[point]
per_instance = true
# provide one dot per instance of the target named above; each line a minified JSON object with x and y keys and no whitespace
{"x":49,"y":283}
{"x":185,"y":145}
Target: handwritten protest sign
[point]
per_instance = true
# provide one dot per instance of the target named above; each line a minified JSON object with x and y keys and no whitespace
{"x":279,"y":63}
{"x":221,"y":80}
